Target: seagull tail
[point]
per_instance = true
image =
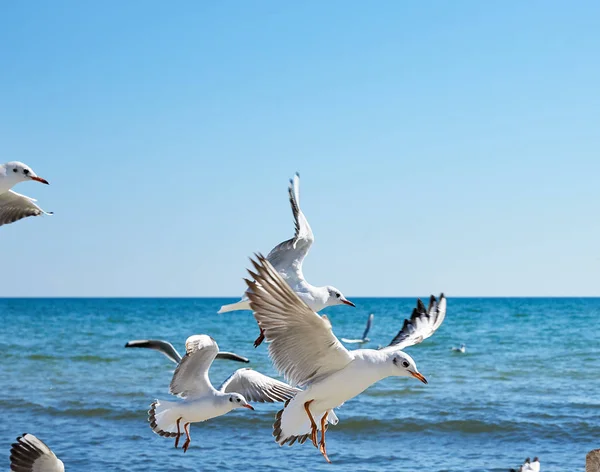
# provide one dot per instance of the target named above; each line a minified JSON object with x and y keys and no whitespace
{"x":163,"y":417}
{"x":241,"y":305}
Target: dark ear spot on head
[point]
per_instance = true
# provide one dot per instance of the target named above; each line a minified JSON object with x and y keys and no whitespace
{"x":15,"y":170}
{"x":230,"y":399}
{"x":395,"y":361}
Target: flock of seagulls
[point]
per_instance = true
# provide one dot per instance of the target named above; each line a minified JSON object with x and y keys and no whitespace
{"x":321,"y":374}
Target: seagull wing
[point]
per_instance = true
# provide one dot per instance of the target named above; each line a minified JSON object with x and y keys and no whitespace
{"x":29,"y":454}
{"x":256,"y":387}
{"x":368,"y":327}
{"x":191,"y":376}
{"x":421,"y":325}
{"x":232,"y":356}
{"x":288,"y":256}
{"x":301,"y":343}
{"x":14,"y":207}
{"x":164,"y":347}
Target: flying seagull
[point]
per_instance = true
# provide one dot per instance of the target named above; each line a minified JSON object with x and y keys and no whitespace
{"x":364,"y":338}
{"x":14,"y":206}
{"x":29,"y":454}
{"x":304,"y":349}
{"x":171,"y":353}
{"x":287,"y":259}
{"x":201,"y":401}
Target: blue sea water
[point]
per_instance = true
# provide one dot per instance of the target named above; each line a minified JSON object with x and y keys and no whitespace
{"x":529,"y":385}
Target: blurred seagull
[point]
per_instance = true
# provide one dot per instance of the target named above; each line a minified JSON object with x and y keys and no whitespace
{"x":14,"y":206}
{"x":462,"y":349}
{"x":287,"y":258}
{"x":29,"y":454}
{"x":364,"y":338}
{"x":171,"y":353}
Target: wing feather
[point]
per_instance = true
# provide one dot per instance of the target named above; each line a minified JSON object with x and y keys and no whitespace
{"x":191,"y":376}
{"x":257,"y":387}
{"x":14,"y":207}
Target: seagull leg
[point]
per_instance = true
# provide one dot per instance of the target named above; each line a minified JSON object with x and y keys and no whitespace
{"x":178,"y":434}
{"x":187,"y":442}
{"x":313,"y":425}
{"x":260,"y":339}
{"x":322,"y":443}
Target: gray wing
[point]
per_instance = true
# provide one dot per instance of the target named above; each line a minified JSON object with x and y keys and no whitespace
{"x":422,"y":323}
{"x":164,"y":347}
{"x":191,"y":376}
{"x":171,"y":353}
{"x":288,"y":256}
{"x":257,"y":387}
{"x":301,"y":343}
{"x":29,"y":454}
{"x":368,"y":327}
{"x":15,"y":207}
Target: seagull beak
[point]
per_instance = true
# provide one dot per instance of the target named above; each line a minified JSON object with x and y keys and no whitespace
{"x":250,"y":407}
{"x":419,"y":376}
{"x":347,"y":302}
{"x":39,"y":179}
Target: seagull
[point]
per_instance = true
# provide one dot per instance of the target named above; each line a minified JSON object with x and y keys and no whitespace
{"x":529,"y":466}
{"x":287,"y":258}
{"x":29,"y":454}
{"x":201,"y":401}
{"x":171,"y":353}
{"x":304,"y":349}
{"x":14,"y":206}
{"x":364,"y":338}
{"x":462,"y":349}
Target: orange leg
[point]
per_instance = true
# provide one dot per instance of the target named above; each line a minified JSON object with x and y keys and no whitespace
{"x":187,"y":442}
{"x":322,"y":443}
{"x":178,"y":434}
{"x":313,"y":425}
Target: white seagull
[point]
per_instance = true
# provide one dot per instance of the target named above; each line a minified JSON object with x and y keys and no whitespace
{"x":29,"y":454}
{"x":171,"y":353}
{"x":201,"y":401}
{"x":529,"y":466}
{"x":303,"y":347}
{"x":287,"y":258}
{"x":364,"y":338}
{"x":462,"y":349}
{"x":14,"y":206}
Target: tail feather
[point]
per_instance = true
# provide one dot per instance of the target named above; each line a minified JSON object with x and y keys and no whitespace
{"x":282,"y":438}
{"x":241,"y":305}
{"x":163,"y":417}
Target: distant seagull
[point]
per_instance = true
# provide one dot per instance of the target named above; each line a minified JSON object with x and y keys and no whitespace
{"x":462,"y":349}
{"x":201,"y":401}
{"x":364,"y":338}
{"x":305,"y":350}
{"x":14,"y":206}
{"x":529,"y":466}
{"x":168,"y":350}
{"x":29,"y":454}
{"x":287,"y":258}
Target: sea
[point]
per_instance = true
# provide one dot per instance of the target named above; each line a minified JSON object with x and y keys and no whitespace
{"x":528,"y":385}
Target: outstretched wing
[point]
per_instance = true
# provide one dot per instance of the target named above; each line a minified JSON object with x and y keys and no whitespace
{"x":368,"y":327}
{"x":191,"y":376}
{"x":14,"y":207}
{"x":301,"y":343}
{"x":29,"y":454}
{"x":163,"y":347}
{"x":288,"y":256}
{"x":422,"y":323}
{"x":257,"y":387}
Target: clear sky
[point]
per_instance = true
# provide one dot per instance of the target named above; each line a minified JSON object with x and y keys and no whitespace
{"x":442,"y":145}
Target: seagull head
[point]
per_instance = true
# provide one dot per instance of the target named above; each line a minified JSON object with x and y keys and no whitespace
{"x":405,"y":366}
{"x":19,"y":172}
{"x":238,"y":401}
{"x":335,"y":297}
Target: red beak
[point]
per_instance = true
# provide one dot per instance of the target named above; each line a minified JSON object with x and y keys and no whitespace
{"x":419,"y":376}
{"x":348,"y":302}
{"x":39,"y":179}
{"x":250,"y":407}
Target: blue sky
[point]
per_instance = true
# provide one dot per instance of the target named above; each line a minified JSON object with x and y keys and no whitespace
{"x":443,"y":146}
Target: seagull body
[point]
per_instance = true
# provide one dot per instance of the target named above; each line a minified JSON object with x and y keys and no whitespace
{"x":529,"y":466}
{"x":171,"y":353}
{"x":305,"y":350}
{"x":201,"y":401}
{"x":29,"y":454}
{"x":287,"y":258}
{"x":364,"y":338}
{"x":462,"y":349}
{"x":14,"y":206}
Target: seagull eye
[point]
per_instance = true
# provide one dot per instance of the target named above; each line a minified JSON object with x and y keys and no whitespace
{"x":238,"y":400}
{"x":26,"y":171}
{"x":337,"y":295}
{"x":405,"y":364}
